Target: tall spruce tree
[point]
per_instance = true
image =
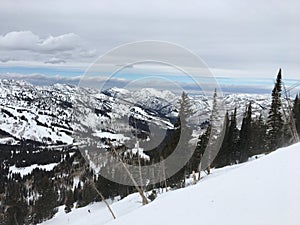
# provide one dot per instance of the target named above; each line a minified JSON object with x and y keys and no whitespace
{"x":211,"y":148}
{"x":245,"y":136}
{"x":182,"y":131}
{"x":185,"y":110}
{"x":258,"y":136}
{"x":233,"y":135}
{"x":275,"y":121}
{"x":228,"y":151}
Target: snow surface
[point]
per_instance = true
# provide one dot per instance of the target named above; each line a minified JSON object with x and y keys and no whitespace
{"x":110,"y":136}
{"x":264,"y":191}
{"x":99,"y":214}
{"x":27,"y":170}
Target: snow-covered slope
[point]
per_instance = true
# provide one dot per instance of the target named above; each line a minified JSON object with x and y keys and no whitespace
{"x":261,"y":192}
{"x":52,"y":114}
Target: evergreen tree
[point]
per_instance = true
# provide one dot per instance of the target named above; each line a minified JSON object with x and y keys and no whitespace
{"x":258,"y":136}
{"x":200,"y":148}
{"x":233,"y":135}
{"x":222,"y":159}
{"x":185,"y":110}
{"x":275,"y":120}
{"x":228,"y":151}
{"x":296,"y":113}
{"x":245,"y":136}
{"x":185,"y":114}
{"x":214,"y":141}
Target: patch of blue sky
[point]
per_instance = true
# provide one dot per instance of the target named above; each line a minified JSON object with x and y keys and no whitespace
{"x":205,"y":79}
{"x":245,"y":81}
{"x":136,"y":75}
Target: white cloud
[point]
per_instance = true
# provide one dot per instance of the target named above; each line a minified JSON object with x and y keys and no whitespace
{"x":26,"y":45}
{"x":27,"y":40}
{"x":19,"y":40}
{"x":63,"y":42}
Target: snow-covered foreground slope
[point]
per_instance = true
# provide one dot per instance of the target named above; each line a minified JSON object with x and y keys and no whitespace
{"x":261,"y":192}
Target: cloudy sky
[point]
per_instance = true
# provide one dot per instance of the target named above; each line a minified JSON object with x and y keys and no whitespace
{"x":234,"y":38}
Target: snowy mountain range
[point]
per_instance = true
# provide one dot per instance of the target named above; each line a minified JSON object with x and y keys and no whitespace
{"x":53,"y":114}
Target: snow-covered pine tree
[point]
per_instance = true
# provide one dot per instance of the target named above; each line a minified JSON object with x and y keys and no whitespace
{"x":216,"y":134}
{"x":185,"y":107}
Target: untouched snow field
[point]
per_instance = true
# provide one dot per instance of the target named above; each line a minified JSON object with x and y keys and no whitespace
{"x":265,"y":191}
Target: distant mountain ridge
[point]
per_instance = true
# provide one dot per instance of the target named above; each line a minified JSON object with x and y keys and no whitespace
{"x":51,"y":114}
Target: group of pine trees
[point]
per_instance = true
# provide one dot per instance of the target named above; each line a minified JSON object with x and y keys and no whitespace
{"x":256,"y":134}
